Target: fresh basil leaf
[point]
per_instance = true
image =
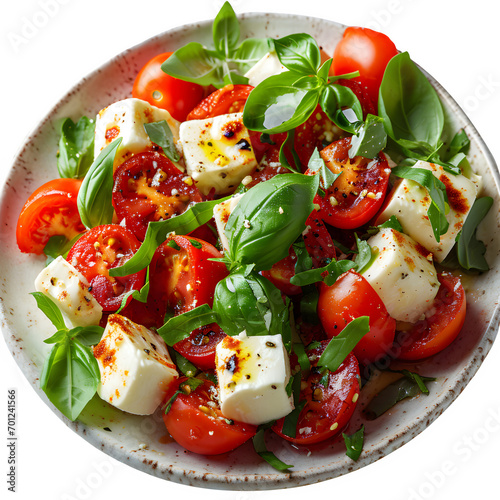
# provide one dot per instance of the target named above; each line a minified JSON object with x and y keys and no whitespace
{"x":94,"y":197}
{"x":299,"y":52}
{"x":364,"y":256}
{"x":340,"y":346}
{"x":437,"y":192}
{"x":317,"y":164}
{"x":139,"y":295}
{"x":354,"y":443}
{"x":412,"y":113}
{"x":260,"y":447}
{"x":404,"y":387}
{"x":194,"y":63}
{"x":76,"y":148}
{"x":250,"y":52}
{"x":459,"y":144}
{"x":87,"y":335}
{"x":304,"y":260}
{"x":269,"y":218}
{"x":342,"y":107}
{"x":370,"y":140}
{"x":160,"y":134}
{"x":291,"y":420}
{"x":59,"y":336}
{"x":184,"y":365}
{"x":157,"y":232}
{"x":252,"y":303}
{"x":302,"y":358}
{"x":58,"y":245}
{"x":392,"y":222}
{"x":225,"y":31}
{"x":289,"y":143}
{"x":470,"y":251}
{"x":277,"y":105}
{"x":180,"y":327}
{"x":309,"y":304}
{"x":50,"y":309}
{"x":328,"y":274}
{"x":70,"y":377}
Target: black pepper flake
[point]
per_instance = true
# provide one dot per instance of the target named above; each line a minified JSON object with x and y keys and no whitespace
{"x":244,"y":145}
{"x":228,"y":133}
{"x":107,"y":429}
{"x":147,"y":351}
{"x":270,"y":344}
{"x":232,"y":363}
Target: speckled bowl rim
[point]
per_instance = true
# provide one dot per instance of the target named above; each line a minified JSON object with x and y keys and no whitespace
{"x":272,"y":480}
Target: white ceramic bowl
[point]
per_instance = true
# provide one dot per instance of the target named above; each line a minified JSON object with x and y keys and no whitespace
{"x":123,"y":436}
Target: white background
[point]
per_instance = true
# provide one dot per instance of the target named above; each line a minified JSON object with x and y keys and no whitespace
{"x":454,"y":40}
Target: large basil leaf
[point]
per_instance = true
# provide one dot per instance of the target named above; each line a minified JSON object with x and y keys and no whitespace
{"x":226,"y":30}
{"x":76,"y":148}
{"x":278,"y":105}
{"x":70,"y":377}
{"x":251,"y":51}
{"x":412,"y":113}
{"x":299,"y":52}
{"x":269,"y":218}
{"x":250,"y":302}
{"x":94,"y":197}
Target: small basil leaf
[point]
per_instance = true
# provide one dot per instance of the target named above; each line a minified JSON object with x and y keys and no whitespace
{"x":94,"y":196}
{"x":76,"y":148}
{"x":260,"y":447}
{"x":302,"y":358}
{"x":459,"y":144}
{"x":342,"y":107}
{"x":276,"y":105}
{"x":364,"y":256}
{"x":59,"y":336}
{"x":370,"y":139}
{"x":299,"y":52}
{"x":250,"y":52}
{"x":87,"y":335}
{"x":354,"y":443}
{"x":304,"y":260}
{"x":392,"y":223}
{"x":269,"y":218}
{"x":180,"y":327}
{"x":340,"y":346}
{"x":160,"y":133}
{"x":317,"y":164}
{"x":470,"y":251}
{"x":289,"y":143}
{"x":225,"y":30}
{"x":412,"y":113}
{"x":70,"y":377}
{"x":58,"y":245}
{"x":50,"y":309}
{"x":157,"y":232}
{"x":328,"y":273}
{"x":194,"y":63}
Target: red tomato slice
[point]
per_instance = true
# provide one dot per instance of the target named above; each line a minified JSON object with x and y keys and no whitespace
{"x":195,"y":421}
{"x":149,"y":187}
{"x":350,"y":297}
{"x":328,"y":408}
{"x":200,"y":346}
{"x":442,"y":324}
{"x":103,"y":248}
{"x":319,"y":243}
{"x":51,"y":210}
{"x":228,"y":99}
{"x":357,"y":194}
{"x":164,"y":91}
{"x":281,"y":273}
{"x":366,"y":51}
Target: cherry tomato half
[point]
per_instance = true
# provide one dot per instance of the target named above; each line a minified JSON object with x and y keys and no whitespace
{"x":357,"y":194}
{"x":149,"y":187}
{"x":50,"y":210}
{"x":164,"y":91}
{"x":99,"y":250}
{"x":350,"y":297}
{"x":366,"y":51}
{"x":440,"y":328}
{"x":195,"y":421}
{"x":330,"y":405}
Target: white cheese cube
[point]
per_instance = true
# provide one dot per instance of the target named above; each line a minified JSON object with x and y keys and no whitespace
{"x":253,"y":373}
{"x":217,"y":152}
{"x":409,"y":202}
{"x":69,"y":288}
{"x":403,"y":275}
{"x":136,"y":368}
{"x":126,"y":119}
{"x":268,"y":66}
{"x":222,"y":211}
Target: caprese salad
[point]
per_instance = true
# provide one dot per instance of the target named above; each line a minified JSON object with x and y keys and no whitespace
{"x":235,"y":243}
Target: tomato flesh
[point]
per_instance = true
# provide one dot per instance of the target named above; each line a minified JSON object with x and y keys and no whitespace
{"x":350,"y":297}
{"x":164,"y":91}
{"x":99,"y":250}
{"x":196,"y":423}
{"x":51,"y":210}
{"x":440,"y":327}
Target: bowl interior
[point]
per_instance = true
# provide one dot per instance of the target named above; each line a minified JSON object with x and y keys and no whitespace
{"x":142,"y":441}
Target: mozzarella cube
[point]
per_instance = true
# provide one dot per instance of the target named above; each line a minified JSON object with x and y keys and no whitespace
{"x":217,"y":152}
{"x":69,"y":288}
{"x":126,"y":119}
{"x":222,"y":211}
{"x":268,"y":66}
{"x":409,"y":202}
{"x":253,"y":374}
{"x":136,"y":368}
{"x":403,"y":275}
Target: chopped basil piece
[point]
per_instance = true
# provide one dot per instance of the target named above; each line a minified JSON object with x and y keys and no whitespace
{"x":354,"y":443}
{"x":260,"y":447}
